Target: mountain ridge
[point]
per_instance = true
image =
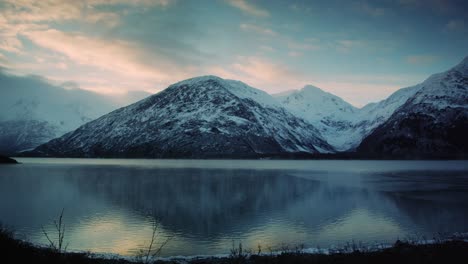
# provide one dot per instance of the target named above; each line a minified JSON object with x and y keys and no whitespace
{"x":308,"y":121}
{"x":203,"y":116}
{"x":433,"y":121}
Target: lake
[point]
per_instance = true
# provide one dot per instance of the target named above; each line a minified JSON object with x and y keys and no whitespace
{"x":110,"y":205}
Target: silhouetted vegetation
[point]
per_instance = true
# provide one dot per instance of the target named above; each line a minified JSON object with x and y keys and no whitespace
{"x":153,"y":251}
{"x":57,"y":245}
{"x":17,"y":251}
{"x":448,"y":251}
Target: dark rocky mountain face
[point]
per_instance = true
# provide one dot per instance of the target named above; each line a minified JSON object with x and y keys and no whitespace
{"x":418,"y":135}
{"x":432,"y":123}
{"x":197,"y":118}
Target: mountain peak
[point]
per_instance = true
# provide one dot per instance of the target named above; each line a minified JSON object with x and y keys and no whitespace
{"x":463,"y":65}
{"x":237,"y":88}
{"x":198,"y":79}
{"x":311,"y":88}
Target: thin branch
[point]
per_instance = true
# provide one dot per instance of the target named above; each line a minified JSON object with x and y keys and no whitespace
{"x":60,"y":227}
{"x":162,"y":245}
{"x":150,"y":254}
{"x":51,"y":243}
{"x":155,"y":228}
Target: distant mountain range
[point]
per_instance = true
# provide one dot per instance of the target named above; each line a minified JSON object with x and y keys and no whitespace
{"x":341,"y":124}
{"x":209,"y":117}
{"x":33,"y":111}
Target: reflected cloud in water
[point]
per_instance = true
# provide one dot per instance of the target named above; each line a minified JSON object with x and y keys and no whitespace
{"x":111,"y":207}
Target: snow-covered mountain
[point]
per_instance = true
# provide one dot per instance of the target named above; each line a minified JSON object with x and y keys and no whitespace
{"x":199,"y":117}
{"x":330,"y":114}
{"x":437,"y":106}
{"x":33,"y":111}
{"x":432,"y":122}
{"x":212,"y":117}
{"x":341,"y":124}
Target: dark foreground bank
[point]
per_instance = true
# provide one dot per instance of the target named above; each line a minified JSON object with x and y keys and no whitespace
{"x":7,"y":160}
{"x":453,"y":251}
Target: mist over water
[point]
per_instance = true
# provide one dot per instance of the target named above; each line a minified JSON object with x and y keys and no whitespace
{"x":205,"y":205}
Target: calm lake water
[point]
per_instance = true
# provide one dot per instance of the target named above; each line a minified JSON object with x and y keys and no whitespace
{"x":205,"y":205}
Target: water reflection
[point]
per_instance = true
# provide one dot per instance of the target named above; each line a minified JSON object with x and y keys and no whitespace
{"x":111,"y":207}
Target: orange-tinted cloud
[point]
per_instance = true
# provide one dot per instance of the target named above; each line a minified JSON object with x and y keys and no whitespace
{"x":59,"y":10}
{"x":421,"y":59}
{"x":249,"y":8}
{"x":258,"y":29}
{"x":261,"y":73}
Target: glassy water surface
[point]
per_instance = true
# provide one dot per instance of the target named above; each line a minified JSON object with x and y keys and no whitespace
{"x":205,"y":205}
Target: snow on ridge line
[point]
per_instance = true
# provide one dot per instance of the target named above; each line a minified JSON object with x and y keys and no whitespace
{"x":243,"y":90}
{"x":238,"y":88}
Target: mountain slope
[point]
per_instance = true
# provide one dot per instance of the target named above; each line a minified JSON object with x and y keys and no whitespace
{"x":373,"y":115}
{"x":433,"y":122}
{"x":341,"y":124}
{"x":17,"y":135}
{"x":33,"y":111}
{"x":200,"y":117}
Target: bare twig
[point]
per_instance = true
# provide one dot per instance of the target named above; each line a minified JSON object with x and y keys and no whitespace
{"x":155,"y":228}
{"x":149,"y":255}
{"x":163,"y":244}
{"x":60,"y":227}
{"x":51,"y":243}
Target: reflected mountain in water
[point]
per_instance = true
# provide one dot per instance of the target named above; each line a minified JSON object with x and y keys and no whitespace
{"x":110,"y":208}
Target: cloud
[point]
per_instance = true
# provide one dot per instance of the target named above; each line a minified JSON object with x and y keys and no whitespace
{"x":103,"y":65}
{"x":346,"y":45}
{"x":261,"y":73}
{"x":360,"y":89}
{"x":272,"y":77}
{"x":9,"y":34}
{"x":54,"y":10}
{"x":10,"y":44}
{"x":109,"y":63}
{"x":455,"y":25}
{"x":17,"y":16}
{"x":366,"y":8}
{"x":258,"y":30}
{"x":421,"y":59}
{"x":117,"y":55}
{"x":436,"y":6}
{"x":248,"y":8}
{"x":307,"y":45}
{"x":296,"y":7}
{"x":294,"y":54}
{"x":358,"y":93}
{"x":4,"y":63}
{"x":267,"y":48}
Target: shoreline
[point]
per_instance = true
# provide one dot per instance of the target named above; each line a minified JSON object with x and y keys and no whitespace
{"x":450,"y":250}
{"x":7,"y":160}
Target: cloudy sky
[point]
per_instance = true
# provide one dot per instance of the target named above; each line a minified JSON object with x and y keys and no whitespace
{"x":360,"y":50}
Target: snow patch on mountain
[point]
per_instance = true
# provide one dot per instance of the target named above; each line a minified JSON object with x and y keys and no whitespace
{"x":341,"y":124}
{"x":33,"y":111}
{"x":331,"y":115}
{"x":201,"y":117}
{"x":433,"y":122}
